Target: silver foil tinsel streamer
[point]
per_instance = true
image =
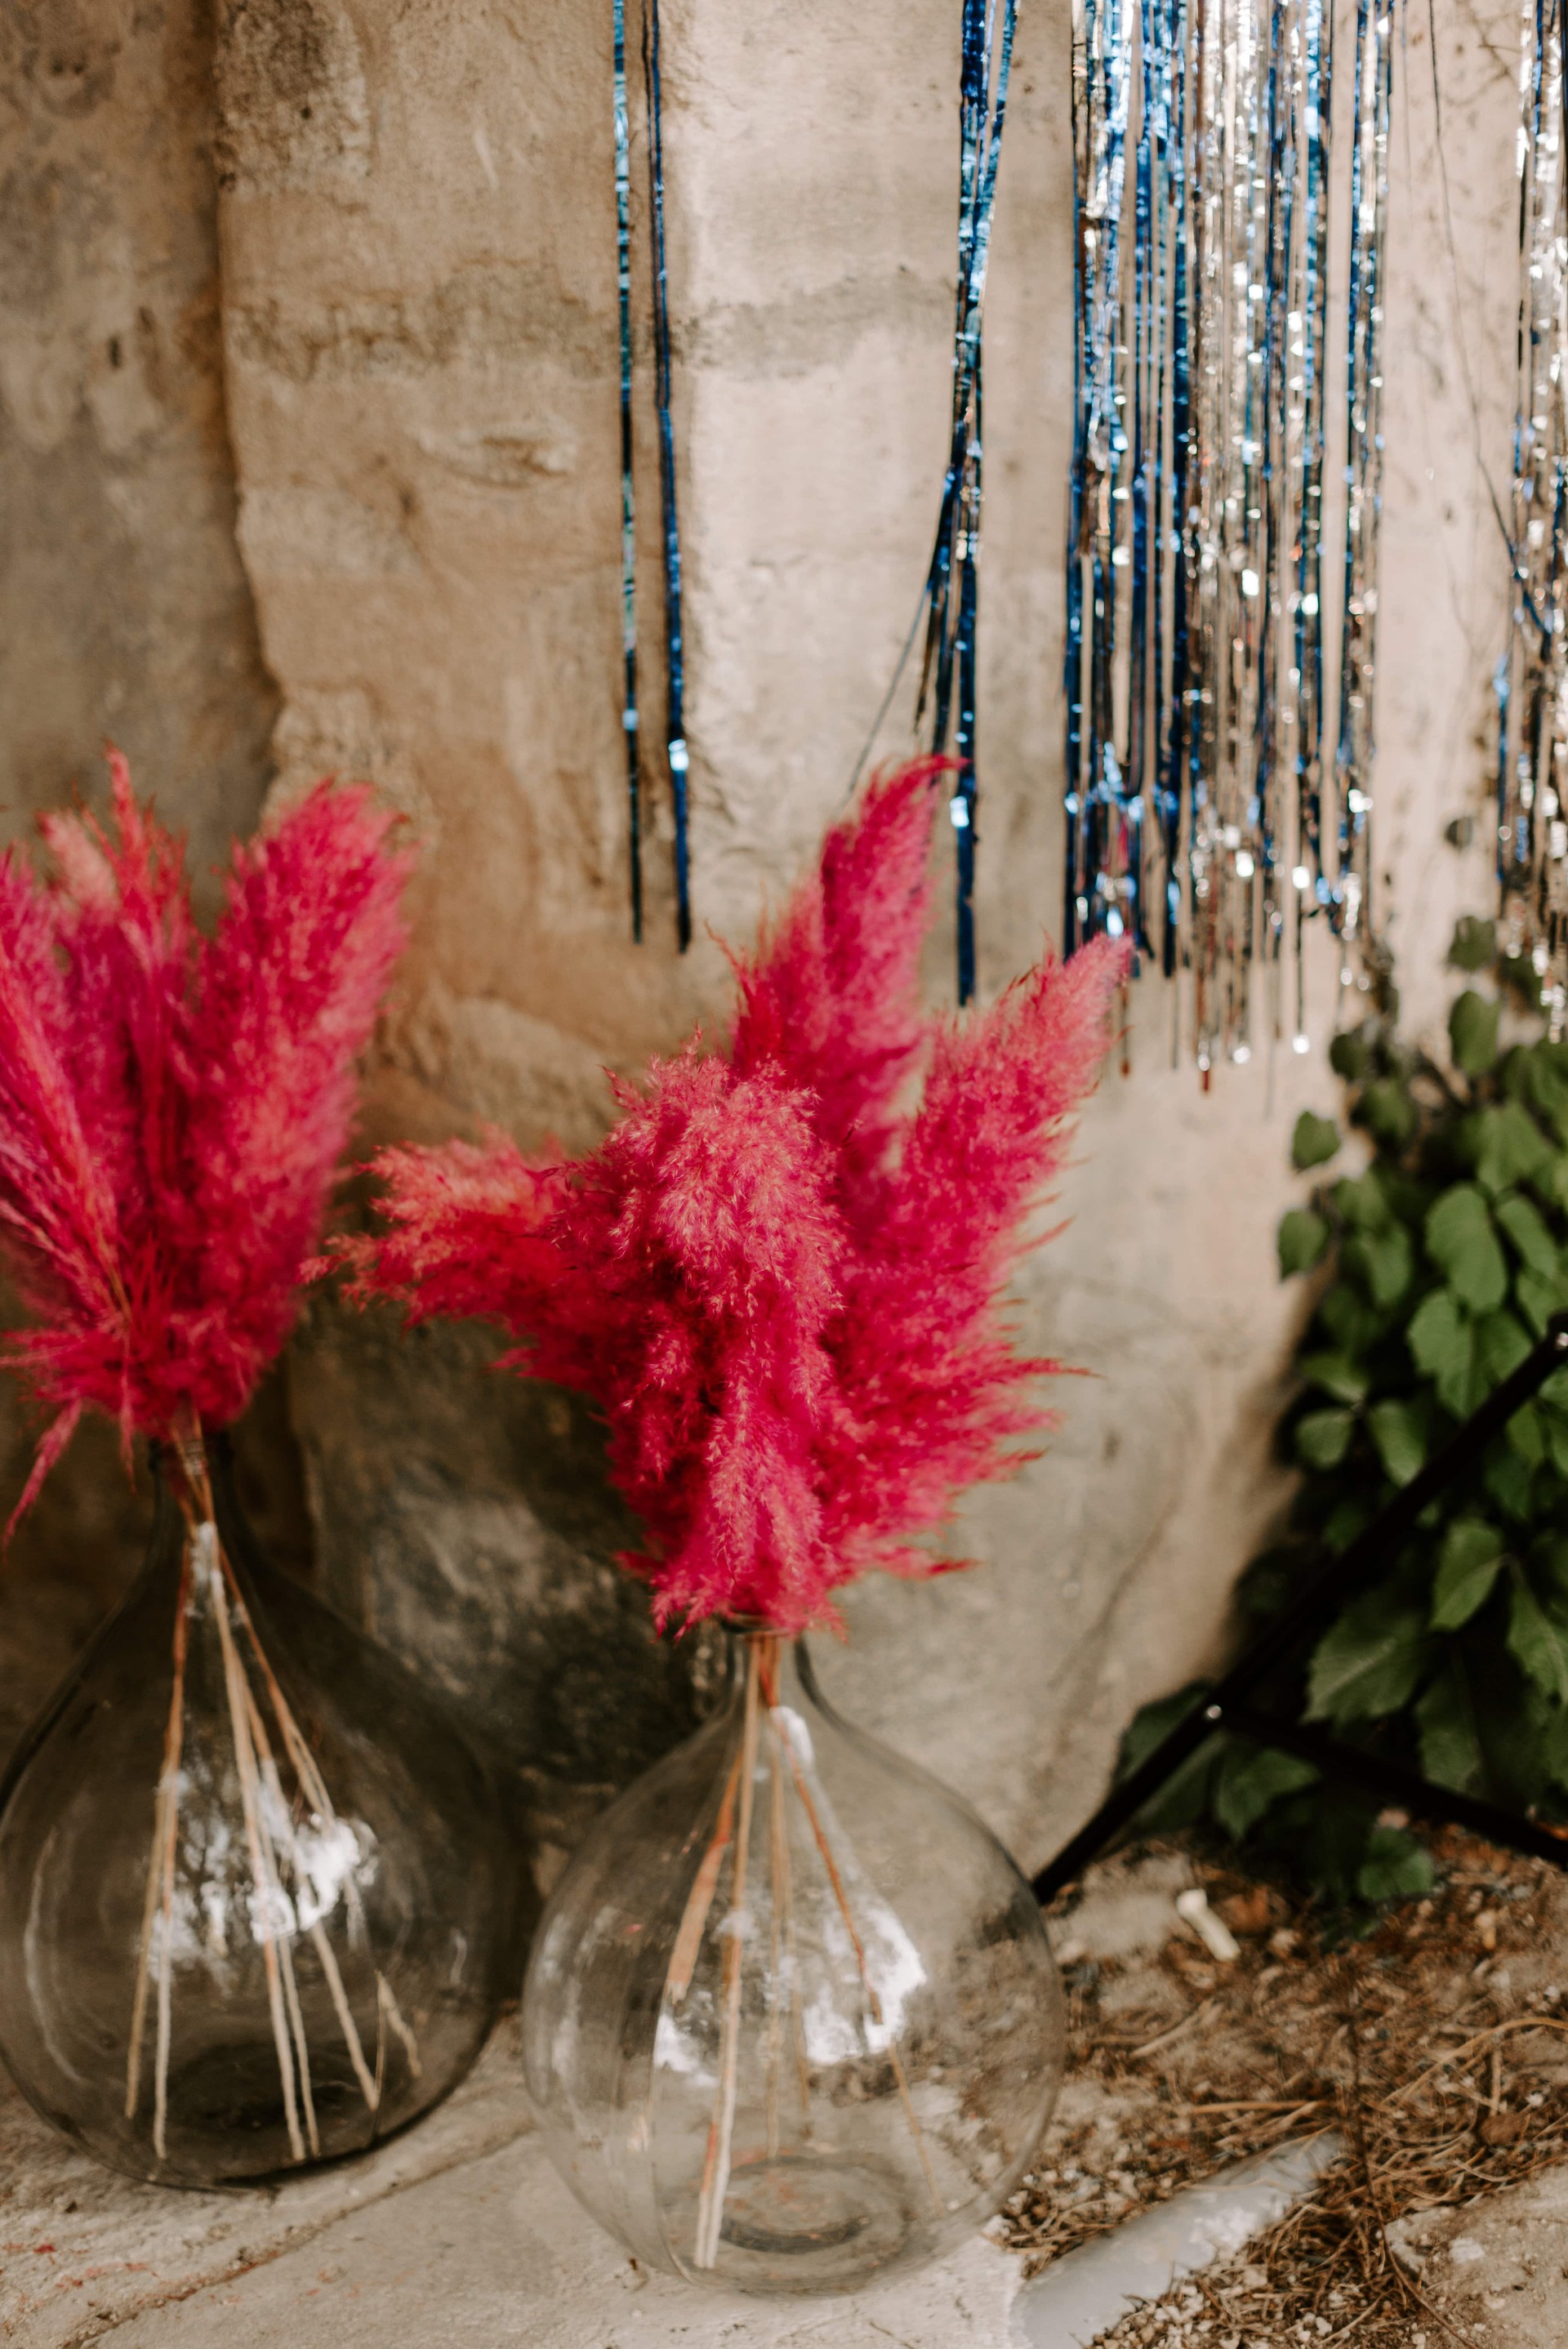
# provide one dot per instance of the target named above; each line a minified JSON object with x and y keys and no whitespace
{"x":1532,"y":679}
{"x":1195,"y":648}
{"x":1364,"y":465}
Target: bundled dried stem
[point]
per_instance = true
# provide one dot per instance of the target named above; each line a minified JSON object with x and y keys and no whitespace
{"x":763,"y":1717}
{"x":209,"y":1592}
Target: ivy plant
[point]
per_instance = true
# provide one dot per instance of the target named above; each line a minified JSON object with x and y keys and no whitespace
{"x":1436,"y":1249}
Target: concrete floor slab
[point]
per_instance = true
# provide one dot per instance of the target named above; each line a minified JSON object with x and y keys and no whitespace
{"x":82,"y":2249}
{"x":498,"y":2255}
{"x":459,"y":2232}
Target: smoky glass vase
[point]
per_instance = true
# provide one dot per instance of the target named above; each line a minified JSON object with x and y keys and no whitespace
{"x":791,"y":2018}
{"x":254,"y":1887}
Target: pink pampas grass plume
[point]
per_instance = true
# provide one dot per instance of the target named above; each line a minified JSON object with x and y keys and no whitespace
{"x":172,"y":1107}
{"x":782,"y":1283}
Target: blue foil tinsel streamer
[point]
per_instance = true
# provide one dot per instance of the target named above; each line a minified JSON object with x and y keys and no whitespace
{"x":628,"y":500}
{"x":947,"y":685}
{"x":675,"y":652}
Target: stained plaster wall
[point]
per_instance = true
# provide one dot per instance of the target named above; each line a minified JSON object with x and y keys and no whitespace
{"x":400,"y":480}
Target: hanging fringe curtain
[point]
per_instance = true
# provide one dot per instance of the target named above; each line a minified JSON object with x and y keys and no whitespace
{"x":1195,"y":625}
{"x":1532,"y":678}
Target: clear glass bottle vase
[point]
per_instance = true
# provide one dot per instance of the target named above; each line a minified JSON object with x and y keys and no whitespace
{"x":256,"y":1890}
{"x":791,"y":2017}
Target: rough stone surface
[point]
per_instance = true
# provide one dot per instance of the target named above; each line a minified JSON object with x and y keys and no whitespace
{"x":417,"y":306}
{"x":420,"y":318}
{"x":124,"y":607}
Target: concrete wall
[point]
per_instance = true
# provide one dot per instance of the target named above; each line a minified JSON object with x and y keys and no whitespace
{"x":415,"y":422}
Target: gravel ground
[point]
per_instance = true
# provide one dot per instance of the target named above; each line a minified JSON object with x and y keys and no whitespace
{"x":1437,"y":2046}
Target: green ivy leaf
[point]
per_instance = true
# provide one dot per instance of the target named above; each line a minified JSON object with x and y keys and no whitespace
{"x":1510,"y":1482}
{"x":1440,"y":1336}
{"x":1313,"y":1143}
{"x":1539,"y":1300}
{"x":1554,"y":1426}
{"x":1513,"y":1717}
{"x":1461,"y":1242}
{"x":1384,"y":1262}
{"x":1538,"y":1642}
{"x":1468,"y":1567}
{"x":1399,"y":1436}
{"x":1362,"y":1201}
{"x":1513,"y":1147}
{"x":1474,"y":942}
{"x":1526,"y":1434}
{"x":1368,"y":1664}
{"x":1345,"y":1521}
{"x":1523,"y":1223}
{"x":1472,"y":1034}
{"x":1302,"y":1237}
{"x":1346,"y":1318}
{"x":1337,"y":1374}
{"x":1323,"y":1437}
{"x":1550,"y":1557}
{"x":1543,"y":1083}
{"x":1450,"y":1750}
{"x":1552,"y":1746}
{"x":1250,"y":1780}
{"x":1348,"y":1055}
{"x":1397,"y":1867}
{"x":1501,"y":1343}
{"x":1408,"y":1196}
{"x":1389,"y":1114}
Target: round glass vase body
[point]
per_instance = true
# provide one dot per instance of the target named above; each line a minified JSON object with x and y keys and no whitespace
{"x":791,"y":2018}
{"x":254,"y":1887}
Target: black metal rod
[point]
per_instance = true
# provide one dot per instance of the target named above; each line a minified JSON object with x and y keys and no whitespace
{"x":1320,"y":1594}
{"x":1394,"y":1783}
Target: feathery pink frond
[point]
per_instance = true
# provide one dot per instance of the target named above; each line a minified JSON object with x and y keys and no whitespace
{"x":785,"y":1293}
{"x":942,"y":1408}
{"x":464,"y":1234}
{"x":830,"y":999}
{"x":172,"y":1109}
{"x":285,"y":1000}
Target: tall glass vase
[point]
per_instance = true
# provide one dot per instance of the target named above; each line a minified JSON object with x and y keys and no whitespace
{"x":791,"y":2018}
{"x":254,"y":1887}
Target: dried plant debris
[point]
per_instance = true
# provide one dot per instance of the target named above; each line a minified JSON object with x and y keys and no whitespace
{"x":1437,"y":2046}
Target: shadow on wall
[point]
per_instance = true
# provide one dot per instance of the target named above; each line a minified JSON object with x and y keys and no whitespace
{"x":467,"y":1521}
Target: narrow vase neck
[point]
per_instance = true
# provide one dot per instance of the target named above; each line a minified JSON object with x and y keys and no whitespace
{"x":779,"y":1662}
